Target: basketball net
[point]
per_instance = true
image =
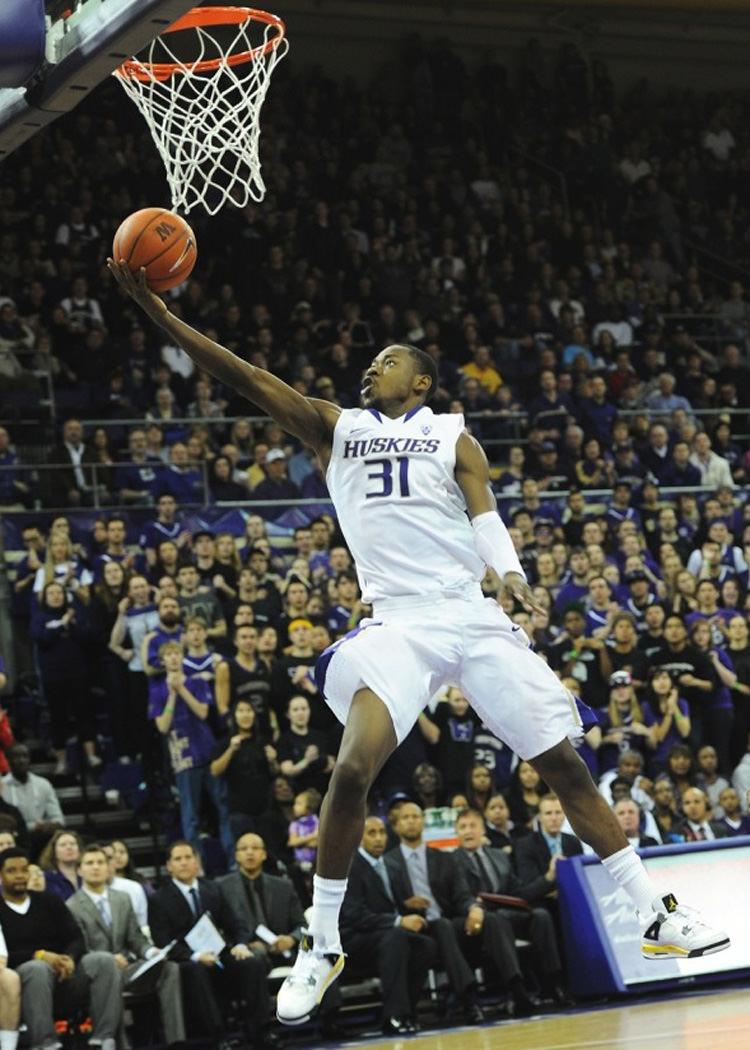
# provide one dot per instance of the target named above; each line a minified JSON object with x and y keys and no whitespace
{"x":204,"y":113}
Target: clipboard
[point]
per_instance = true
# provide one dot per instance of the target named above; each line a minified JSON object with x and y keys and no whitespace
{"x":503,"y":900}
{"x":149,"y":964}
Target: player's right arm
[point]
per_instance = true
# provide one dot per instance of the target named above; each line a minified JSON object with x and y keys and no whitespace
{"x":309,"y":419}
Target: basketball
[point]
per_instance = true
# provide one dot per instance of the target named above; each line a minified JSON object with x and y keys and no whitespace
{"x":160,"y":241}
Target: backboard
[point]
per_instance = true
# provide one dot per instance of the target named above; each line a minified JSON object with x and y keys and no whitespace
{"x":84,"y":41}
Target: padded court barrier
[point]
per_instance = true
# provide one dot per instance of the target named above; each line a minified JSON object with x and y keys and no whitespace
{"x":22,"y":35}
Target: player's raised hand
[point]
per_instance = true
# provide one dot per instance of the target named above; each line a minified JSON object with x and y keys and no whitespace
{"x":137,"y":289}
{"x":516,"y":585}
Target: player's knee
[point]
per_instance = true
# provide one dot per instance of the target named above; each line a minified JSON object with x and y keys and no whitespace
{"x":352,"y":777}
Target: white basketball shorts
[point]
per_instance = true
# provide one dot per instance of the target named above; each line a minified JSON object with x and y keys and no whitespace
{"x":412,"y":647}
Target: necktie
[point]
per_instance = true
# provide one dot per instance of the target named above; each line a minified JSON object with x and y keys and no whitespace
{"x":700,"y":835}
{"x":554,"y":848}
{"x":103,"y":906}
{"x":195,"y":903}
{"x":489,"y":884}
{"x":382,"y":871}
{"x":260,"y":915}
{"x":420,"y":883}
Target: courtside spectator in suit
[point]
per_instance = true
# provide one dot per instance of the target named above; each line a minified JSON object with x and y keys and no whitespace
{"x":537,"y":854}
{"x":489,"y":870}
{"x":628,"y":813}
{"x":108,"y":924}
{"x":378,"y":939}
{"x":428,"y":883}
{"x":173,"y":911}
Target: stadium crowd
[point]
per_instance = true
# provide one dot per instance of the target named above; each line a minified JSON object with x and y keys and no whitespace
{"x":161,"y":556}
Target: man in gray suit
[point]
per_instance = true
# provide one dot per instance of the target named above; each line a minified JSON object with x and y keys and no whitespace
{"x":108,"y":923}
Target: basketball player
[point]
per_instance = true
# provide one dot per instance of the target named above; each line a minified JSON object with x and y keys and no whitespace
{"x":414,"y":502}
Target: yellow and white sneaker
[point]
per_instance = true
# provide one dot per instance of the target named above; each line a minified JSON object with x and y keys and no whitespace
{"x":677,"y":932}
{"x":312,"y":975}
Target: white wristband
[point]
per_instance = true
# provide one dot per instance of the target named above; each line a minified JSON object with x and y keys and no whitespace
{"x":494,"y":545}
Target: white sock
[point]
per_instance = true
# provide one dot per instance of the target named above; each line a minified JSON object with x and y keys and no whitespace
{"x":8,"y":1039}
{"x":627,"y":869}
{"x":328,"y":896}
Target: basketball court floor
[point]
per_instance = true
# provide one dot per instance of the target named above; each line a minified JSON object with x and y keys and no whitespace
{"x":702,"y":1021}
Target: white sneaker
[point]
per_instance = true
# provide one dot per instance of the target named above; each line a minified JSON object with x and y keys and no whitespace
{"x":678,"y":932}
{"x":312,"y":975}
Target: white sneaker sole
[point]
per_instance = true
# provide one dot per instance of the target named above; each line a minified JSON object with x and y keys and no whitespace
{"x":335,"y":972}
{"x":673,"y":951}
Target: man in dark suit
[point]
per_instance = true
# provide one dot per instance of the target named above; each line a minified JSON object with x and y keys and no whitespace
{"x":697,"y":827}
{"x":72,"y":484}
{"x":264,"y":900}
{"x":489,"y":870}
{"x":173,"y":911}
{"x":375,"y":937}
{"x":537,"y":854}
{"x":628,"y":814}
{"x":428,"y":883}
{"x":108,"y":923}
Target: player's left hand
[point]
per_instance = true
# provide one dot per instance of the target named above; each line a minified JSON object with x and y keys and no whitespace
{"x":516,"y":585}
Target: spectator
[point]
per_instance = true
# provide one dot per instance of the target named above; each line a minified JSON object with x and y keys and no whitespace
{"x":33,"y":796}
{"x":714,"y":470}
{"x":733,"y":820}
{"x":623,"y":728}
{"x":303,"y":829}
{"x":200,"y":602}
{"x":538,"y":854}
{"x":275,"y":487}
{"x":62,"y":566}
{"x":137,"y":617}
{"x":585,"y":659}
{"x":429,"y":883}
{"x":450,"y":730}
{"x":628,"y":814}
{"x":15,"y":488}
{"x":667,"y":715}
{"x":246,"y":764}
{"x":108,"y":924}
{"x":173,"y":910}
{"x":697,"y":827}
{"x":302,"y":751}
{"x":132,"y":886}
{"x":180,"y":704}
{"x":377,"y":937}
{"x":137,"y":479}
{"x":666,"y":814}
{"x":490,"y":871}
{"x":46,"y":949}
{"x":59,"y":861}
{"x":71,"y":481}
{"x":691,"y":669}
{"x":681,"y":471}
{"x":182,"y":479}
{"x":524,"y":794}
{"x":166,"y":527}
{"x":59,"y":628}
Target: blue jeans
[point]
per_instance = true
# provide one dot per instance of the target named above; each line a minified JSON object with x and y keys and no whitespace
{"x":190,"y":784}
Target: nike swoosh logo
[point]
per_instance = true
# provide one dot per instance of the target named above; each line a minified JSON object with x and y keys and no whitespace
{"x":357,"y":430}
{"x":516,"y":627}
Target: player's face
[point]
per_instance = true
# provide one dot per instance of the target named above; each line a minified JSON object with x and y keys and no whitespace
{"x":389,"y":379}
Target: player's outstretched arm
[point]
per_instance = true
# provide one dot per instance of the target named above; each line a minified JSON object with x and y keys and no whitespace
{"x":310,"y":420}
{"x":493,"y":542}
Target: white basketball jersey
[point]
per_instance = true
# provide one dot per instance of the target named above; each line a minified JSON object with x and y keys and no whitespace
{"x":399,"y":506}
